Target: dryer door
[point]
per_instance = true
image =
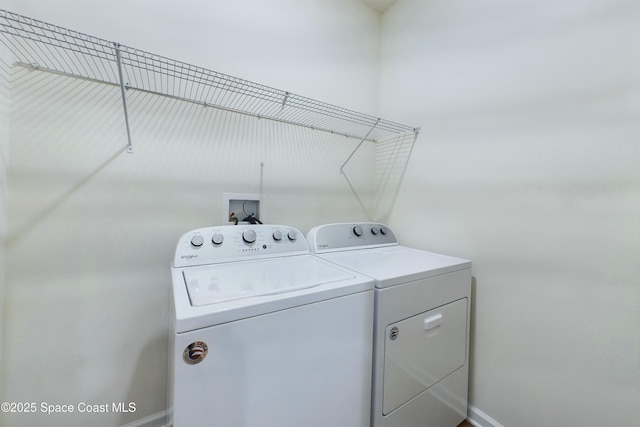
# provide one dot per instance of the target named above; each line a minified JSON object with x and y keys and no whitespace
{"x":422,"y":350}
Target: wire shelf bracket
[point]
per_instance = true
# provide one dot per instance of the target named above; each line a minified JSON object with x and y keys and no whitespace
{"x":358,"y":147}
{"x":116,"y":46}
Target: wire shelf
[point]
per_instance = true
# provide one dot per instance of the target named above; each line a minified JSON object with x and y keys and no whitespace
{"x":51,"y":48}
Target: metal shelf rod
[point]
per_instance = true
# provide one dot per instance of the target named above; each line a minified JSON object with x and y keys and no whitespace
{"x":177,"y":98}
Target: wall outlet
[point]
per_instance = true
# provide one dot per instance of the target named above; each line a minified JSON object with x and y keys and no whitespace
{"x":240,"y":206}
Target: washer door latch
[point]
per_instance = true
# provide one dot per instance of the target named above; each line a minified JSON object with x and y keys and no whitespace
{"x":393,"y":334}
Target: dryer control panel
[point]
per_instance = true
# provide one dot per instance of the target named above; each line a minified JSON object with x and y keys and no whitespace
{"x":346,"y":236}
{"x":212,"y":245}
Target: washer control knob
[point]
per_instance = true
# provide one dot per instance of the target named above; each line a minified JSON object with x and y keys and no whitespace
{"x":292,"y":235}
{"x":277,"y":235}
{"x":374,"y":230}
{"x":383,"y":230}
{"x":249,"y":236}
{"x":197,"y":241}
{"x":357,"y":230}
{"x":217,"y":239}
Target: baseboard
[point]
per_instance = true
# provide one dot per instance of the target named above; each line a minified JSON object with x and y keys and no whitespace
{"x":479,"y":419}
{"x":475,"y":416}
{"x":159,"y":419}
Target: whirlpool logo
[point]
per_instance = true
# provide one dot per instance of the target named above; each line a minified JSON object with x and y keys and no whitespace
{"x":190,"y":256}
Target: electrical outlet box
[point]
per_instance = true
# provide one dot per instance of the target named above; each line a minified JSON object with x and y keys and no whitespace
{"x":242,"y":205}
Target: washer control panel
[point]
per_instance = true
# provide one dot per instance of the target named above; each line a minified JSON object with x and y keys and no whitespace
{"x":345,"y":236}
{"x":211,"y":245}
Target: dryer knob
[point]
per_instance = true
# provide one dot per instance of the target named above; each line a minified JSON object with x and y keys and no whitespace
{"x":249,"y":236}
{"x":292,"y":235}
{"x":357,"y":230}
{"x":217,"y":239}
{"x":383,"y":230}
{"x":374,"y":230}
{"x":277,"y":235}
{"x":197,"y":241}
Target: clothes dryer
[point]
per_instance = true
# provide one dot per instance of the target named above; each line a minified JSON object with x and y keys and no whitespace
{"x":266,"y":334}
{"x":421,"y":323}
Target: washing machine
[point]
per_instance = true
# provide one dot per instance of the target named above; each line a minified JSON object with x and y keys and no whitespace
{"x":266,"y":334}
{"x":421,"y":323}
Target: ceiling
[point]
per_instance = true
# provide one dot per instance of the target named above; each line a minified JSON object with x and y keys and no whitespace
{"x":379,"y":5}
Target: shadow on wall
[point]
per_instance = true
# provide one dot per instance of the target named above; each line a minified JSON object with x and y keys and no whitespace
{"x":52,"y":205}
{"x":137,"y":412}
{"x":377,"y":190}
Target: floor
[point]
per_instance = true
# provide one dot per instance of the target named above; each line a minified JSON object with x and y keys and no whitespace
{"x":465,"y":423}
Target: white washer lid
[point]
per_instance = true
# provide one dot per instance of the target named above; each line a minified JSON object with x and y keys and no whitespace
{"x":393,"y":265}
{"x":323,"y":280}
{"x":230,"y":281}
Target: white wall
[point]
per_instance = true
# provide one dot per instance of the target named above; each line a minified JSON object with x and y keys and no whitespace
{"x":528,"y":164}
{"x":5,"y":60}
{"x":92,"y":229}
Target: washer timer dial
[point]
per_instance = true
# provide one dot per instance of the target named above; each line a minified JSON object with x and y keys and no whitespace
{"x":249,"y":236}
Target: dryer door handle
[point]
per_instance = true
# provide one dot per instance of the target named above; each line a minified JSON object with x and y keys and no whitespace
{"x":432,"y":322}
